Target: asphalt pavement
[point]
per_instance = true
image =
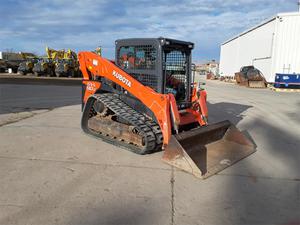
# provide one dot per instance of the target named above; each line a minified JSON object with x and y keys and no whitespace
{"x":27,"y":97}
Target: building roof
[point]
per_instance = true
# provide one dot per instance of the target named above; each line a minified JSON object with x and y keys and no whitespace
{"x":262,"y":24}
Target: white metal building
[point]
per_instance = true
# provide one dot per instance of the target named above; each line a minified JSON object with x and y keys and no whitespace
{"x":272,"y":47}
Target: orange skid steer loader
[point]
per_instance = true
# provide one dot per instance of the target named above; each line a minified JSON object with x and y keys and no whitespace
{"x":146,"y":101}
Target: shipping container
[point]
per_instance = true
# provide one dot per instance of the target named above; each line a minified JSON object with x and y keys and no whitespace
{"x":272,"y":47}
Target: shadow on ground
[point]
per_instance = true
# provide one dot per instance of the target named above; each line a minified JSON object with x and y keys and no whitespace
{"x":264,"y":188}
{"x":267,"y":190}
{"x":226,"y":111}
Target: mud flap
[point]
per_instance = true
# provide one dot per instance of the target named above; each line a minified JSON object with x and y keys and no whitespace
{"x":207,"y":150}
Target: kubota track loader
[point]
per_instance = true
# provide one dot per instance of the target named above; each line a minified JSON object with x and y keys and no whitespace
{"x":146,"y":101}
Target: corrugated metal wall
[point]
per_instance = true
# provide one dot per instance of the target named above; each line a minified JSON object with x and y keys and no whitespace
{"x":273,"y":47}
{"x":229,"y":58}
{"x":287,"y":45}
{"x":251,"y":48}
{"x":256,"y":48}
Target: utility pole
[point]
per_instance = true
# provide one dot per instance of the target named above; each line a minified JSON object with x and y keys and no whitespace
{"x":299,"y":5}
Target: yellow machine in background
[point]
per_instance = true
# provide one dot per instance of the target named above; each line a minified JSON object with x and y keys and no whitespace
{"x":26,"y":66}
{"x":12,"y":60}
{"x":66,"y":62}
{"x":28,"y":55}
{"x":44,"y":67}
{"x":55,"y":54}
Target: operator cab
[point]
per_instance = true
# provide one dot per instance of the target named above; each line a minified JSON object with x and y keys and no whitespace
{"x":160,"y":63}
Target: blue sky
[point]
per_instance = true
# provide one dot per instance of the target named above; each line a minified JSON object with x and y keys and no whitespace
{"x":86,"y":24}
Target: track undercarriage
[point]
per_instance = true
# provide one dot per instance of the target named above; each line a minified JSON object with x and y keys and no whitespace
{"x":109,"y":118}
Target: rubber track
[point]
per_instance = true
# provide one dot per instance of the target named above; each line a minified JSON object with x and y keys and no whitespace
{"x":147,"y":128}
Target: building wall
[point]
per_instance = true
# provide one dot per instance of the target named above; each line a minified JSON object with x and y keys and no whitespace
{"x":287,"y":45}
{"x":272,"y":47}
{"x":229,"y":58}
{"x":252,"y":48}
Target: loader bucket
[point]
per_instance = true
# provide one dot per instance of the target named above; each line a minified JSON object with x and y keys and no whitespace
{"x":207,"y":150}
